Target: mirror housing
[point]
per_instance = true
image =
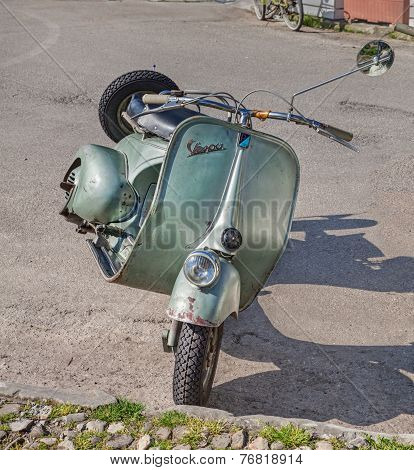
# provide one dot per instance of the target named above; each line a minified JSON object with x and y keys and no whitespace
{"x":375,"y":58}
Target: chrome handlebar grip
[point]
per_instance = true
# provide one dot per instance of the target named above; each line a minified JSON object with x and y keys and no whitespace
{"x":341,"y":134}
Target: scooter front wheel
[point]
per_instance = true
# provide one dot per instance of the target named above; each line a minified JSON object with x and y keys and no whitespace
{"x":196,"y":360}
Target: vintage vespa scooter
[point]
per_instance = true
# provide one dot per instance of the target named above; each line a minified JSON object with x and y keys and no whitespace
{"x":191,"y":206}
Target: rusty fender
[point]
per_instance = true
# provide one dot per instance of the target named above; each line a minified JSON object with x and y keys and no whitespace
{"x":208,"y":306}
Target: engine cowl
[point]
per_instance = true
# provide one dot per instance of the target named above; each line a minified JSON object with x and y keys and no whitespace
{"x":97,"y":188}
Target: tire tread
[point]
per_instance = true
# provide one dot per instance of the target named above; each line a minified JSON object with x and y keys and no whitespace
{"x":123,"y":81}
{"x":189,"y":363}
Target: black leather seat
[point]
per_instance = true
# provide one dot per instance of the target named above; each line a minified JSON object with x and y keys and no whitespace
{"x":161,"y":124}
{"x":164,"y":124}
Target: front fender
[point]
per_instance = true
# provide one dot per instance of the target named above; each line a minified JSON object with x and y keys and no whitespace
{"x":207,"y":306}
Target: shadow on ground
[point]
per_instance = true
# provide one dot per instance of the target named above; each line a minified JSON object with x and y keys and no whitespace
{"x":358,"y":385}
{"x":348,"y":260}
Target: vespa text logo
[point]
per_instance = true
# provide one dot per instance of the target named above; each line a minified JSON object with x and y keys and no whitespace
{"x":195,"y":148}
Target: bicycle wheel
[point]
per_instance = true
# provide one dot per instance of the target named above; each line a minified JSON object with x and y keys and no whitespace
{"x":260,"y":7}
{"x":292,"y":14}
{"x":271,"y":11}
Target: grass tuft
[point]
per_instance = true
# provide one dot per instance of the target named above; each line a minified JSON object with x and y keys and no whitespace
{"x":4,"y":427}
{"x":83,"y":440}
{"x":383,"y":443}
{"x":291,"y":436}
{"x":64,"y":409}
{"x":319,"y":23}
{"x":312,"y":22}
{"x":171,"y":419}
{"x":337,"y":444}
{"x":122,"y":410}
{"x":163,"y":445}
{"x":7,"y":418}
{"x":215,"y":427}
{"x":192,"y":438}
{"x":198,"y":429}
{"x":234,"y":428}
{"x":42,"y":446}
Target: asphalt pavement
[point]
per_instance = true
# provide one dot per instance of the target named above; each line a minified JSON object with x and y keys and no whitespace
{"x":330,"y":337}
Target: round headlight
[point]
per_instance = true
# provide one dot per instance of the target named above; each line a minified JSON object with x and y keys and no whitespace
{"x":202,"y":268}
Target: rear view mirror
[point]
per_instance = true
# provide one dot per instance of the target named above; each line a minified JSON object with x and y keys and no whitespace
{"x":376,"y":58}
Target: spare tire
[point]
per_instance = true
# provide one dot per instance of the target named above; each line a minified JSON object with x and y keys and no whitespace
{"x":116,"y":97}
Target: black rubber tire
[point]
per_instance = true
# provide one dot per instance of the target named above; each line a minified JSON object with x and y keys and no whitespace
{"x":190,"y":358}
{"x":260,"y":7}
{"x":146,"y":81}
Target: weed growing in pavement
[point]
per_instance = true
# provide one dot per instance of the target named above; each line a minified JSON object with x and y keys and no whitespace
{"x":7,"y":418}
{"x":171,"y":419}
{"x":83,"y":441}
{"x":337,"y":444}
{"x":64,"y":409}
{"x":122,"y":410}
{"x":383,"y":443}
{"x":290,"y":436}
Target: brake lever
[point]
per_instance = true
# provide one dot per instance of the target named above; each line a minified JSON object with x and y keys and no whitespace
{"x":337,"y":139}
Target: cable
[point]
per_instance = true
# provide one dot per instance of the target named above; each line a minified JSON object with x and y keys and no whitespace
{"x":274,"y":94}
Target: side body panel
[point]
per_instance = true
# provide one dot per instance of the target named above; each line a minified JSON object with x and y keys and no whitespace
{"x":269,"y":193}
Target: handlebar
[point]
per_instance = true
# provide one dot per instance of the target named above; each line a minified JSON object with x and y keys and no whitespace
{"x":404,"y":28}
{"x":169,"y":102}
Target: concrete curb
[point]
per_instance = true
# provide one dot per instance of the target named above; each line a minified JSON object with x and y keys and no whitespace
{"x":90,"y":399}
{"x":320,"y":429}
{"x":95,"y":398}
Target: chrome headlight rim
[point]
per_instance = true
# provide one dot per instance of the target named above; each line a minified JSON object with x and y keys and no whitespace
{"x":213,"y":258}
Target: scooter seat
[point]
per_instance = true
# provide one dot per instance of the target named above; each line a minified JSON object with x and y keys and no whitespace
{"x":164,"y":124}
{"x":161,"y":124}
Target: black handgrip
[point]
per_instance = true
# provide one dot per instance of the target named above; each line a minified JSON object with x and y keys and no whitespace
{"x":340,"y":133}
{"x":404,"y":28}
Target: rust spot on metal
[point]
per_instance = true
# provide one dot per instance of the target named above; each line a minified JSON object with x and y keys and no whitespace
{"x":191,"y":301}
{"x":188,"y":317}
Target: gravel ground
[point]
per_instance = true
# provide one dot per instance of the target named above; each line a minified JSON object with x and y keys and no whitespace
{"x":46,"y":425}
{"x":330,"y":337}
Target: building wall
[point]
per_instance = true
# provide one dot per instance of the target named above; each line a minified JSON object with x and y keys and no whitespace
{"x":334,"y":9}
{"x":379,"y":11}
{"x":331,"y":9}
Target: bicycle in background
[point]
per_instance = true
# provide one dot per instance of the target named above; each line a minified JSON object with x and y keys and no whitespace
{"x":290,"y":11}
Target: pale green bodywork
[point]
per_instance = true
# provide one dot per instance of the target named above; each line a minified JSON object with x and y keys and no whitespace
{"x":171,"y":185}
{"x":106,"y":195}
{"x":209,"y":306}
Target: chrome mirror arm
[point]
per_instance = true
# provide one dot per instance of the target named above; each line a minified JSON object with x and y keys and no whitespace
{"x":366,"y":65}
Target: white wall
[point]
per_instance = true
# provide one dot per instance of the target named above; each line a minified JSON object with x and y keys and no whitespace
{"x":331,"y":9}
{"x":412,"y":14}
